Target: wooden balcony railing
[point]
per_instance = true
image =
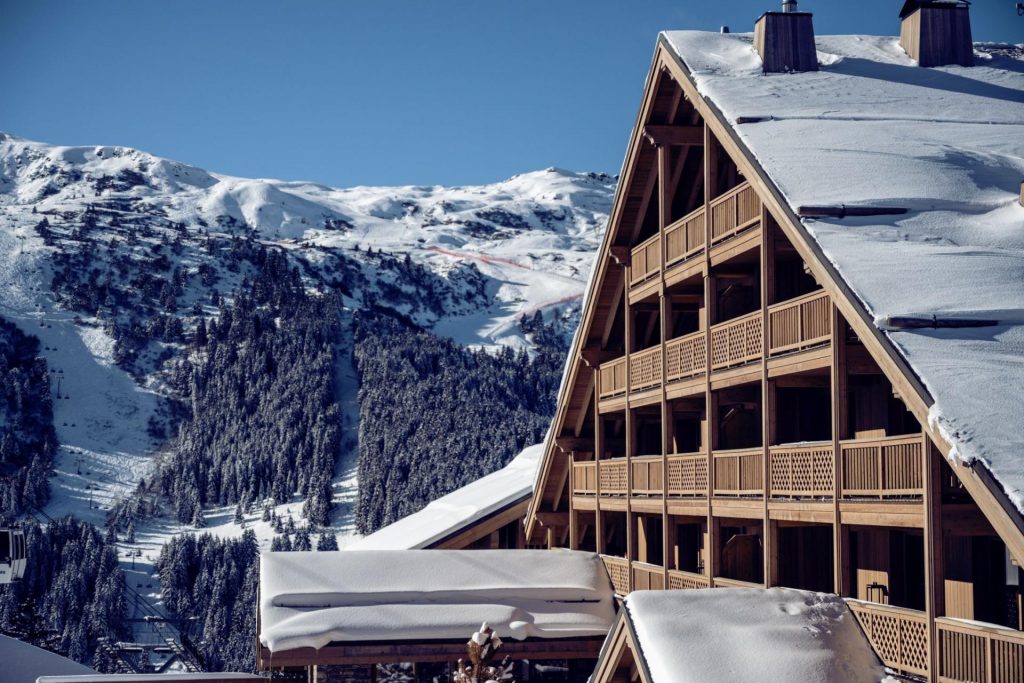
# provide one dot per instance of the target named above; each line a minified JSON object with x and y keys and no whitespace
{"x":647,"y":475}
{"x":688,"y":474}
{"x":645,"y":261}
{"x":722,"y":582}
{"x":737,"y":341}
{"x":686,"y":357}
{"x":645,"y":369}
{"x":584,"y":478}
{"x":801,"y":471}
{"x":970,"y":652}
{"x":648,"y":577}
{"x":686,"y":580}
{"x":899,"y":636}
{"x":734,"y":211}
{"x":612,"y":378}
{"x":739,"y":473}
{"x":613,"y":477}
{"x":618,"y":572}
{"x":685,"y":238}
{"x":799,"y":323}
{"x":880,"y":468}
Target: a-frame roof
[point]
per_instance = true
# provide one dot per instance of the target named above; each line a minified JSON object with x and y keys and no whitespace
{"x":872,"y":129}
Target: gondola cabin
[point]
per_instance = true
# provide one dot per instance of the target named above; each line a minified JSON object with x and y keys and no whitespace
{"x":13,"y":555}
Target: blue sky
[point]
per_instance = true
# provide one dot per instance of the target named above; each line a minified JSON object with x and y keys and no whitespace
{"x":376,"y":92}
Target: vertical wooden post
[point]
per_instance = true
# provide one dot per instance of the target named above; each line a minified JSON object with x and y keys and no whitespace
{"x":665,"y":191}
{"x":710,"y":400}
{"x":767,"y":257}
{"x":934,"y":580}
{"x":838,"y":374}
{"x":630,"y":431}
{"x":598,"y":454}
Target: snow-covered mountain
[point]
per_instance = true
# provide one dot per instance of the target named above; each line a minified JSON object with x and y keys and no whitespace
{"x":462,"y":262}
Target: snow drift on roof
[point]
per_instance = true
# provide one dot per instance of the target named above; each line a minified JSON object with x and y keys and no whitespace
{"x":309,"y":599}
{"x":873,"y":129}
{"x":749,"y":634}
{"x":451,"y":513}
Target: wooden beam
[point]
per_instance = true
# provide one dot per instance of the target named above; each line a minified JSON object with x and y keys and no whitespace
{"x":621,"y":254}
{"x":674,"y":135}
{"x":556,"y":519}
{"x":567,"y":444}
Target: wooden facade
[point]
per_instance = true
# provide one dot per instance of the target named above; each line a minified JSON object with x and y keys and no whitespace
{"x":732,"y":417}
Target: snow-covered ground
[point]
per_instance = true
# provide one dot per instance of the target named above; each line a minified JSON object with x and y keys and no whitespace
{"x":530,"y":240}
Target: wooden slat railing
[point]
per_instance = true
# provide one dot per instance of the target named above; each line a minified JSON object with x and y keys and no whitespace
{"x":648,"y":577}
{"x":645,"y":260}
{"x":618,"y":572}
{"x":688,"y":474}
{"x":684,"y":239}
{"x":801,"y":471}
{"x":734,"y":211}
{"x":899,"y":636}
{"x":612,"y":380}
{"x":647,"y":475}
{"x":613,"y":477}
{"x":738,"y":472}
{"x":722,"y":582}
{"x":686,"y":357}
{"x":737,"y":341}
{"x":584,"y":478}
{"x":686,"y":580}
{"x":645,"y":369}
{"x":799,"y":323}
{"x":970,"y":652}
{"x":880,"y":468}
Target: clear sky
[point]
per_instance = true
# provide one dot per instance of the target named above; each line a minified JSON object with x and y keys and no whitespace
{"x":348,"y":92}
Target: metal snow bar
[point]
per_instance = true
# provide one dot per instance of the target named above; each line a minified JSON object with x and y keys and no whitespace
{"x":907,"y":323}
{"x":842,"y":211}
{"x":753,"y":119}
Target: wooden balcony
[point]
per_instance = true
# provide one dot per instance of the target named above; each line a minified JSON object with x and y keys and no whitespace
{"x":686,"y":357}
{"x":734,"y":212}
{"x":970,"y":652}
{"x":722,"y":582}
{"x":688,"y":474}
{"x":645,"y":260}
{"x":899,"y":636}
{"x":648,"y":577}
{"x":679,"y":580}
{"x":612,"y":378}
{"x":739,"y":472}
{"x":584,"y":478}
{"x":888,"y":467}
{"x":684,"y":239}
{"x":648,"y":475}
{"x":645,"y":369}
{"x":736,"y":342}
{"x":613,"y":477}
{"x":618,"y":572}
{"x":801,"y":471}
{"x":799,"y":323}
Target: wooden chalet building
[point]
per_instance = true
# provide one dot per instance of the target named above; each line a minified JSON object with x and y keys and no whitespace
{"x":787,"y":374}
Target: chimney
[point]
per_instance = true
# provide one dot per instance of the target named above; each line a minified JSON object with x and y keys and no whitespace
{"x":937,"y":33}
{"x":785,"y":40}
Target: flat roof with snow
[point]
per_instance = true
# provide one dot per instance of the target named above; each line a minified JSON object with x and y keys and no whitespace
{"x":871,"y":129}
{"x":314,"y":599}
{"x":454,"y":512}
{"x":749,"y":634}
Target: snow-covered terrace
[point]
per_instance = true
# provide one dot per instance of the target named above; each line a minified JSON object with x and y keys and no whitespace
{"x":313,"y":600}
{"x":872,"y":129}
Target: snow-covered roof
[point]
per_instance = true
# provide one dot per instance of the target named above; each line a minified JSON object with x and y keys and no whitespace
{"x":871,"y":128}
{"x":454,"y":512}
{"x":310,"y":599}
{"x":24,"y":662}
{"x":782,"y":634}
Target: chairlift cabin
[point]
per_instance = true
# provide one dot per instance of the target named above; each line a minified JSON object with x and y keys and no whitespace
{"x":12,"y":555}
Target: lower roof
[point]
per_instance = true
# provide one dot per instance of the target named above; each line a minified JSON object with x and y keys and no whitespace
{"x":750,"y":634}
{"x":311,"y":599}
